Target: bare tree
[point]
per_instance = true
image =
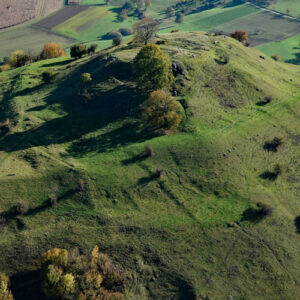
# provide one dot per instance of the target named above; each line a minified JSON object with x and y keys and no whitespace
{"x":145,"y":30}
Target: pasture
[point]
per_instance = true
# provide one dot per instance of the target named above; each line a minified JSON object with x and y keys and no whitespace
{"x":293,"y":7}
{"x":288,"y":49}
{"x":28,"y":38}
{"x":263,"y":27}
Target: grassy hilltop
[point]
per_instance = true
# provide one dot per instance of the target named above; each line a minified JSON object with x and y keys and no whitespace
{"x":194,"y":232}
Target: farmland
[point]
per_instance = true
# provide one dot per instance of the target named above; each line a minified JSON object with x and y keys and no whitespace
{"x":291,"y":7}
{"x":13,"y":12}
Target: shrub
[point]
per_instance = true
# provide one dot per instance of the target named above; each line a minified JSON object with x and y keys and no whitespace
{"x":264,"y":209}
{"x":55,"y":256}
{"x":5,"y":127}
{"x":149,"y":152}
{"x":117,"y":41}
{"x":18,"y":59}
{"x":47,"y":76}
{"x":5,"y":67}
{"x":159,"y":172}
{"x":240,"y":36}
{"x":92,"y":49}
{"x":20,"y":208}
{"x":274,"y":144}
{"x":90,"y":276}
{"x":276,"y":57}
{"x":78,"y":50}
{"x":85,"y":78}
{"x":179,"y":18}
{"x":113,"y":35}
{"x":126,"y":31}
{"x":5,"y":293}
{"x":162,"y":110}
{"x":52,"y":50}
{"x":152,"y":69}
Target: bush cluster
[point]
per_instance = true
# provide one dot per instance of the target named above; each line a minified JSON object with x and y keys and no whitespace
{"x":71,"y":275}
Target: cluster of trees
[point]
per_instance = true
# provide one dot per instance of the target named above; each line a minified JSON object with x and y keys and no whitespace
{"x":71,"y":275}
{"x":79,"y":50}
{"x":135,"y":7}
{"x":153,"y":73}
{"x":185,"y":7}
{"x":21,"y":58}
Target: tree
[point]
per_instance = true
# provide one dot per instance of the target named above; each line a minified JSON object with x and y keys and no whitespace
{"x":145,"y":30}
{"x":240,"y":36}
{"x":162,"y":110}
{"x":152,"y":69}
{"x":117,"y":41}
{"x":148,"y":3}
{"x":48,"y":76}
{"x":18,"y":59}
{"x":78,"y":50}
{"x":92,"y":49}
{"x":5,"y":293}
{"x":91,"y":276}
{"x":52,"y":50}
{"x":86,"y":78}
{"x":179,"y":18}
{"x":170,"y":12}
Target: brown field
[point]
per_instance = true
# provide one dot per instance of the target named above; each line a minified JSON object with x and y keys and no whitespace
{"x":61,"y":16}
{"x":14,"y":12}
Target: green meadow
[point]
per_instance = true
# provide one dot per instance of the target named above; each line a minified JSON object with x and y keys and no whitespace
{"x":193,"y":233}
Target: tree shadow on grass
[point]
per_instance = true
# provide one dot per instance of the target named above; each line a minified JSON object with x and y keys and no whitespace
{"x":58,"y":64}
{"x":112,"y":103}
{"x":297,"y":224}
{"x":27,"y":285}
{"x":271,"y":176}
{"x":251,"y":215}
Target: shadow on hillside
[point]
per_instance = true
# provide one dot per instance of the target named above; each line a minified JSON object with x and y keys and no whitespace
{"x":272,"y":176}
{"x":58,"y":64}
{"x":10,"y":214}
{"x":297,"y":224}
{"x":111,"y":103}
{"x":251,"y":215}
{"x":26,"y":285}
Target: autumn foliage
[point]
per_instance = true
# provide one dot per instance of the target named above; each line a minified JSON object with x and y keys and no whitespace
{"x":5,"y":293}
{"x":71,"y":275}
{"x":162,"y":110}
{"x":52,"y":50}
{"x":240,"y":35}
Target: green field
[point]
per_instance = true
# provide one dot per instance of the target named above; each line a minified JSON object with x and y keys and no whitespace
{"x":283,"y":5}
{"x":28,"y":38}
{"x":288,"y":49}
{"x":191,"y":234}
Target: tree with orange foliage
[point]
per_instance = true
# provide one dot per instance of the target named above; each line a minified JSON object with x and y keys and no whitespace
{"x":52,"y":50}
{"x":240,"y":35}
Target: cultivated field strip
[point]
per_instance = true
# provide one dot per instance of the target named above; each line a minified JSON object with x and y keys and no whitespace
{"x":14,"y":12}
{"x":61,"y":16}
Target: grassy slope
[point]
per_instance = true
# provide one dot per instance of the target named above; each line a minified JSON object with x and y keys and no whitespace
{"x":173,"y":231}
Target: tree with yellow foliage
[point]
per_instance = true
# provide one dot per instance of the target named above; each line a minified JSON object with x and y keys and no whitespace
{"x":5,"y":293}
{"x":52,"y":50}
{"x":162,"y":110}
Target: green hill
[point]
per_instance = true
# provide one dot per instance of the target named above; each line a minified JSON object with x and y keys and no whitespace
{"x":194,"y":233}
